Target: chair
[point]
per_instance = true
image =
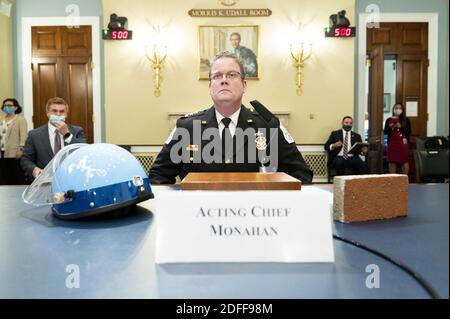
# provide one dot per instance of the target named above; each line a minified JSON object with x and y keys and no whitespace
{"x":11,"y":173}
{"x":332,"y":173}
{"x":431,"y":157}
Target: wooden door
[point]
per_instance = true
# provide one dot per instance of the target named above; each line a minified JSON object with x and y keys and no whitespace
{"x":78,"y":81}
{"x":375,"y":110}
{"x":409,"y":43}
{"x":47,"y":75}
{"x":61,"y":63}
{"x":412,"y":78}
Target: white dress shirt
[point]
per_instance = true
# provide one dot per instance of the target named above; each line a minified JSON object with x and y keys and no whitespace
{"x":51,"y":134}
{"x":233,"y":124}
{"x":349,"y":143}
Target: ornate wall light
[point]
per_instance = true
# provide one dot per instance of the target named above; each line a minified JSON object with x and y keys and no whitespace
{"x":157,"y":54}
{"x":300,"y":53}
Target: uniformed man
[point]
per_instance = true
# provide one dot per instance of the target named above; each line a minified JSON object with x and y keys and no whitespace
{"x":188,"y":148}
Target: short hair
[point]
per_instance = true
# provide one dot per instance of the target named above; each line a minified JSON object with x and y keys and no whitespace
{"x":15,"y":103}
{"x":58,"y":101}
{"x":347,"y":117}
{"x":228,"y":55}
{"x":236,"y":33}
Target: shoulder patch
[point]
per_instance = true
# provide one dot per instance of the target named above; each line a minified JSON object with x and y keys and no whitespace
{"x":170,"y":136}
{"x":194,"y":113}
{"x":286,"y":134}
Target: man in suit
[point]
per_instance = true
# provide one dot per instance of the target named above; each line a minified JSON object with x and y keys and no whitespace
{"x":223,"y":125}
{"x":246,"y":55}
{"x":338,"y":145}
{"x":45,"y":141}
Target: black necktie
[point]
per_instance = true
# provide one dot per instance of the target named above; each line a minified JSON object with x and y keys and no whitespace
{"x":227,"y":140}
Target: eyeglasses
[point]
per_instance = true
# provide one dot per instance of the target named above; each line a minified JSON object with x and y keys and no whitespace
{"x":229,"y":75}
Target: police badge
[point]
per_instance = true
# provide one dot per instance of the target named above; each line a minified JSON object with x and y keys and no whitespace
{"x":261,"y":141}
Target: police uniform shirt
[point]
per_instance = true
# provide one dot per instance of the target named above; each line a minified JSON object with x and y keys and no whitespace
{"x":234,"y":120}
{"x":290,"y":160}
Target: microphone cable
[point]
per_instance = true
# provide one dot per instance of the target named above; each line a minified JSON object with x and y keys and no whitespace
{"x":416,"y":276}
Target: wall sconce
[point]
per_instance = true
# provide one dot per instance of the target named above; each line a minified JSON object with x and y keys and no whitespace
{"x":156,"y":55}
{"x":300,"y":53}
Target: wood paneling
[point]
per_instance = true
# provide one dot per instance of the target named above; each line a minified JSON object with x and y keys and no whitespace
{"x":375,"y":109}
{"x":79,"y":92}
{"x":397,"y":38}
{"x":46,"y":84}
{"x":77,"y":41}
{"x":385,"y":36}
{"x":62,"y":67}
{"x":46,"y":41}
{"x":413,"y":37}
{"x":412,"y":78}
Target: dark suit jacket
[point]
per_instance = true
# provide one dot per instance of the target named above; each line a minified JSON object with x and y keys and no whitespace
{"x":38,"y":151}
{"x":290,"y":160}
{"x":338,"y":136}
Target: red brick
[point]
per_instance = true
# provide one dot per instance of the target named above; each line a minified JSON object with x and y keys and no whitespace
{"x":368,"y":197}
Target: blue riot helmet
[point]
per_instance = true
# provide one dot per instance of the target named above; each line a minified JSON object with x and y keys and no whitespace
{"x":89,"y":179}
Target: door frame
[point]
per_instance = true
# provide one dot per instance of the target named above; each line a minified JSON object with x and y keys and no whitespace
{"x":94,"y":22}
{"x":432,"y":88}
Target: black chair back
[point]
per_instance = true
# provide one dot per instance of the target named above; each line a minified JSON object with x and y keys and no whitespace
{"x":432,"y":157}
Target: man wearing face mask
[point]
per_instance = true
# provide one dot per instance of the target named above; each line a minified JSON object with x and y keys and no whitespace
{"x":338,"y":146}
{"x":45,"y":141}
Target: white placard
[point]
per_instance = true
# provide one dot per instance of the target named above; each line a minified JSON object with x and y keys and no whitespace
{"x":244,"y":226}
{"x":412,"y":108}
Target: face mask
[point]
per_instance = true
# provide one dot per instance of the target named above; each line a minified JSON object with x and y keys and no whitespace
{"x":347,"y":128}
{"x":8,"y":110}
{"x":398,"y":112}
{"x":57,"y":118}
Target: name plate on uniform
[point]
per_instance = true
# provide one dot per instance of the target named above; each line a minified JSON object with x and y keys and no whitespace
{"x":244,"y":226}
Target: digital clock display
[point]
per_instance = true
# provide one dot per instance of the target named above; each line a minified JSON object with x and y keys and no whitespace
{"x":340,"y":32}
{"x":117,"y":35}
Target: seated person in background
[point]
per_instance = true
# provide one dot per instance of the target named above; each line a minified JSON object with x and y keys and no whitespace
{"x":45,"y":141}
{"x":338,"y":145}
{"x":221,"y":125}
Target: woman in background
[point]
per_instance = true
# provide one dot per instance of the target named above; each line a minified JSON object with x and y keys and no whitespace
{"x":13,"y":130}
{"x":397,"y":128}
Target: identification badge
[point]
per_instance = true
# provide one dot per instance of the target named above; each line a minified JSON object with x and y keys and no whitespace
{"x":261,"y":141}
{"x":405,"y":141}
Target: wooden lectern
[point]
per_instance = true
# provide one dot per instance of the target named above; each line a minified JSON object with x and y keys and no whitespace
{"x":239,"y":181}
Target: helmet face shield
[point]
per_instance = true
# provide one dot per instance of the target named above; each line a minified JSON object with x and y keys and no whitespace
{"x":39,"y":193}
{"x":94,"y":179}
